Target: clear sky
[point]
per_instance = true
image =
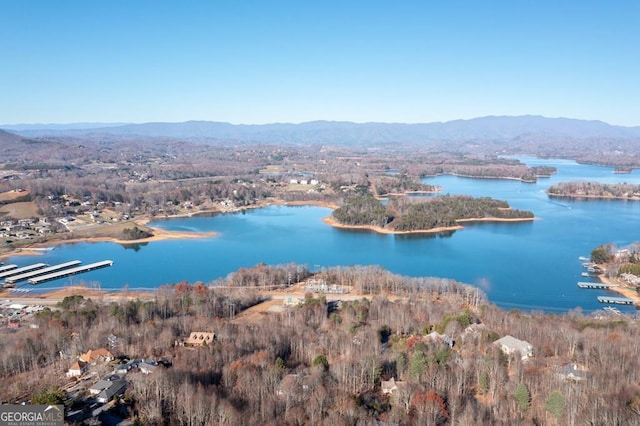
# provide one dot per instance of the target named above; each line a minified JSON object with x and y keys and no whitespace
{"x":265,"y":61}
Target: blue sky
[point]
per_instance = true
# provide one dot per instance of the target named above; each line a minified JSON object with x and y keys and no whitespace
{"x":294,"y":61}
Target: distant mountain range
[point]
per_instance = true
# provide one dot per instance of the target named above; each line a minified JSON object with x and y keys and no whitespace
{"x":339,"y":132}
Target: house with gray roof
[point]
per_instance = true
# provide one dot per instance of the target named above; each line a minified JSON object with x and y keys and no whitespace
{"x":100,"y":385}
{"x":117,"y":388}
{"x":510,"y":345}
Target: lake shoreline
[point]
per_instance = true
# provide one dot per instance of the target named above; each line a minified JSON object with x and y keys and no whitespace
{"x":591,"y":197}
{"x":159,"y":234}
{"x":621,"y":289}
{"x":332,"y":222}
{"x":484,"y":177}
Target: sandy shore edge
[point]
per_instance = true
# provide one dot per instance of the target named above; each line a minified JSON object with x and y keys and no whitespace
{"x":332,"y":222}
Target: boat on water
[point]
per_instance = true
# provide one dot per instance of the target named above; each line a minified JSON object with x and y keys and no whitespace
{"x":585,"y":274}
{"x":583,"y":258}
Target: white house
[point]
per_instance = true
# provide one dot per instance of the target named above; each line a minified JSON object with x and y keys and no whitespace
{"x":510,"y":345}
{"x":77,"y":369}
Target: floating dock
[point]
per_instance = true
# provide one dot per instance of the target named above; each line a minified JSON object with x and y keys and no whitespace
{"x":615,"y":300}
{"x":595,"y":285}
{"x":6,"y":268}
{"x":13,"y":272}
{"x":39,"y":272}
{"x":72,"y":271}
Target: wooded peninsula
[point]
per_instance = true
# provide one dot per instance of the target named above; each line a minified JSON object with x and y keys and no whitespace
{"x":583,"y":189}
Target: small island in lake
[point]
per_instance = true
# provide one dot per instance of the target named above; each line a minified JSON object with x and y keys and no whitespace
{"x":437,"y":214}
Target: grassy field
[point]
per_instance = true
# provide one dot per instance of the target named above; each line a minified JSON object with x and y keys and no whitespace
{"x":21,"y":210}
{"x":12,"y":195}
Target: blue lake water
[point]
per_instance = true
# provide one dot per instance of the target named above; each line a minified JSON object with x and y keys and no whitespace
{"x":528,"y":266}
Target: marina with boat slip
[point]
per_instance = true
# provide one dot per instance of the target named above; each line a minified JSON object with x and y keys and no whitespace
{"x":612,"y":300}
{"x":39,"y":273}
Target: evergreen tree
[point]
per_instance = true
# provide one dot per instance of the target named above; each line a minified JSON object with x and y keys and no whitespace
{"x":555,"y":404}
{"x":522,"y":396}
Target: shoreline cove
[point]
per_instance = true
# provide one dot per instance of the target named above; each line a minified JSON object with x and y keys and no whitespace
{"x":159,"y":234}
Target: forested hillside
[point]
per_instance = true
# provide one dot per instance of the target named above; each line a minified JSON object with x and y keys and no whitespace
{"x":324,"y":361}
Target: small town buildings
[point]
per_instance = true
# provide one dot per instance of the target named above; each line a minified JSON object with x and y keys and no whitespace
{"x":510,"y":345}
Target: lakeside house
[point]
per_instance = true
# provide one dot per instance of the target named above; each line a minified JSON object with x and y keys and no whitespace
{"x":510,"y":345}
{"x":199,"y":338}
{"x":117,"y":387}
{"x":101,"y":385}
{"x":97,"y":355}
{"x":77,"y":369}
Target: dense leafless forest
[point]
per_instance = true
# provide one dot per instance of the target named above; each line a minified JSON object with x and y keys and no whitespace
{"x":323,"y":361}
